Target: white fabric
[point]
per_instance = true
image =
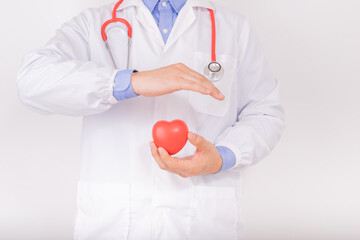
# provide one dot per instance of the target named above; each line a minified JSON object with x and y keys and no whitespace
{"x":122,"y":192}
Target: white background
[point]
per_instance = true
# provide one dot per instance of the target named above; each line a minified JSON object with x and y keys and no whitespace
{"x":308,"y":189}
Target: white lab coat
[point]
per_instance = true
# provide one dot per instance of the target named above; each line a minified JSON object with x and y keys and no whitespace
{"x":122,"y":192}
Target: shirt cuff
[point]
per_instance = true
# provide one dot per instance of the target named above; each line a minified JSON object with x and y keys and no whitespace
{"x":122,"y":85}
{"x":227,"y":156}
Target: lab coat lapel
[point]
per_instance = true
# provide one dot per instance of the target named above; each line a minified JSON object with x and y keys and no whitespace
{"x":184,"y":20}
{"x":145,"y":17}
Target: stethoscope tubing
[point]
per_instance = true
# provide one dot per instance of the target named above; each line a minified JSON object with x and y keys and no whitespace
{"x":115,"y":19}
{"x":213,"y":35}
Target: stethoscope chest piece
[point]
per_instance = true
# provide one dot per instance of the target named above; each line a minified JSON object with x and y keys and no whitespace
{"x":214,"y":71}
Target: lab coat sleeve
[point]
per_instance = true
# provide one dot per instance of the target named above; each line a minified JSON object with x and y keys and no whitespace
{"x":60,"y":78}
{"x":260,"y":119}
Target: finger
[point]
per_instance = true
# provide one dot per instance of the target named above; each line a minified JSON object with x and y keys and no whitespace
{"x":217,"y":94}
{"x":187,"y":74}
{"x":206,"y":81}
{"x":161,"y":163}
{"x":173,"y":163}
{"x":156,"y":156}
{"x":191,"y":75}
{"x":198,"y":141}
{"x":186,"y":84}
{"x":199,"y":78}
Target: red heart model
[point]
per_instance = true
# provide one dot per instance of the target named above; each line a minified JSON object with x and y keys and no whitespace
{"x":172,"y":136}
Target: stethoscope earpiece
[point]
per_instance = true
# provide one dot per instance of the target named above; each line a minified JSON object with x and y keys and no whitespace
{"x":213,"y":71}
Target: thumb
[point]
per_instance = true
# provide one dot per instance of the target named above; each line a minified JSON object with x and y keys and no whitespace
{"x":198,"y":141}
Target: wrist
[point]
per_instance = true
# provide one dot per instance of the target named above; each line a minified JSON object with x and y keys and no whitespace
{"x":219,"y":163}
{"x":134,"y":82}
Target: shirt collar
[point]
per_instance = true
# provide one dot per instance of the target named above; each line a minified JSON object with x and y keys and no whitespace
{"x":191,"y":3}
{"x":177,"y":4}
{"x":150,"y":4}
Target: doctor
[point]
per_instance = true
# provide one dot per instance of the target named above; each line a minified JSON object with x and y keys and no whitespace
{"x":128,"y":189}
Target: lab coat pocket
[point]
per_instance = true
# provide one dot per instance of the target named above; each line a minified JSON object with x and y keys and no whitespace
{"x":103,"y":211}
{"x":213,"y":214}
{"x":207,"y":104}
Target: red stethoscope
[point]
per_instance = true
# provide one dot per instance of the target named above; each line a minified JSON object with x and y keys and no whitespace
{"x":213,"y":71}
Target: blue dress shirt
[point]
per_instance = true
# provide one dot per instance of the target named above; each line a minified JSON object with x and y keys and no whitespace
{"x":165,"y":13}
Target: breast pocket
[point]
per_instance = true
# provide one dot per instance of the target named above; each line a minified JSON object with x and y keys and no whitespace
{"x":103,"y":211}
{"x":206,"y":104}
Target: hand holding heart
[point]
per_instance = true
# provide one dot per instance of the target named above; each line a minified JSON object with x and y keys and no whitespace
{"x":206,"y":159}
